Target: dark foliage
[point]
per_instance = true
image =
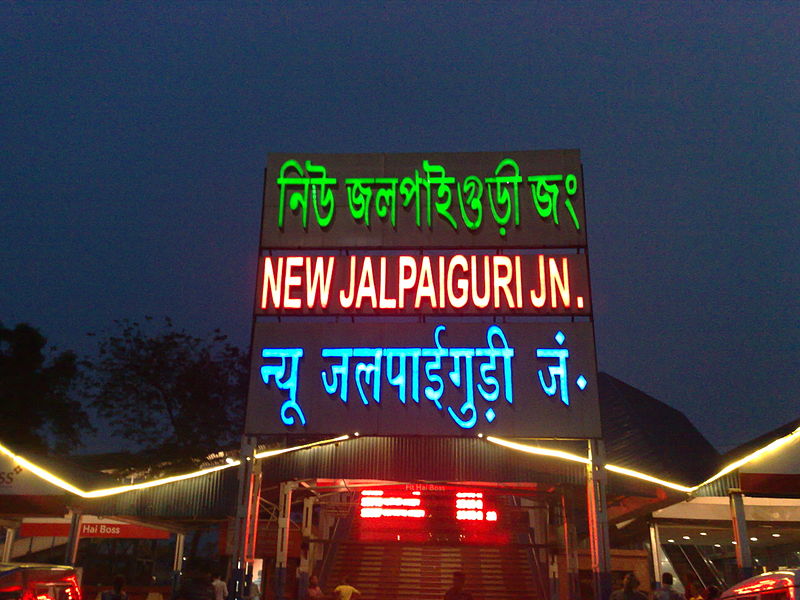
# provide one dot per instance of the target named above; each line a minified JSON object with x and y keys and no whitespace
{"x":171,"y":393}
{"x":37,"y":387}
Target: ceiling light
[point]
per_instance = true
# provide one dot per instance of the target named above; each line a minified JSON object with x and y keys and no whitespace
{"x":703,"y":533}
{"x":671,"y":541}
{"x":686,"y":537}
{"x":776,"y":535}
{"x":717,"y":545}
{"x":753,"y":539}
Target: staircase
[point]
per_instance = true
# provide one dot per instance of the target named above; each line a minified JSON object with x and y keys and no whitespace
{"x":424,"y":571}
{"x":689,"y":563}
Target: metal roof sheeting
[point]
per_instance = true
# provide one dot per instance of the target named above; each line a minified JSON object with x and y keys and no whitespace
{"x":420,"y":459}
{"x":211,"y":496}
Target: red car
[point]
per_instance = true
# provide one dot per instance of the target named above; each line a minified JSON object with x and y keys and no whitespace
{"x":32,"y":581}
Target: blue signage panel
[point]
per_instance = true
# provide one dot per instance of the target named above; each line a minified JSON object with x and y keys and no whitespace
{"x":443,"y":377}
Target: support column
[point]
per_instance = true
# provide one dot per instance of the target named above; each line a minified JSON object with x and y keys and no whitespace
{"x":71,"y":552}
{"x":306,"y":566}
{"x":11,"y":533}
{"x":282,"y":550}
{"x":570,"y":550}
{"x":177,"y":563}
{"x":655,"y":555}
{"x":598,"y":520}
{"x":248,"y":478}
{"x":744,"y":559}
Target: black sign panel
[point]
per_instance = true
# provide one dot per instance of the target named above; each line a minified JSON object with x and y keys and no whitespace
{"x":489,"y":199}
{"x":436,"y":378}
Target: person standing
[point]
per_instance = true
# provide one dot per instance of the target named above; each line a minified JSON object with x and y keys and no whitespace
{"x":665,"y":592}
{"x":345,"y":591}
{"x":630,"y":589}
{"x":220,"y":589}
{"x":314,"y":592}
{"x":117,"y":593}
{"x":457,"y":591}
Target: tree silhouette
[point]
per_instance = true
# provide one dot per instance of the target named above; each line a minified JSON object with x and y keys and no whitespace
{"x":37,"y":393}
{"x":169,"y":392}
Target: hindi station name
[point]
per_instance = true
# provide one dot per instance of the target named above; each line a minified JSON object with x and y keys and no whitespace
{"x":482,"y":375}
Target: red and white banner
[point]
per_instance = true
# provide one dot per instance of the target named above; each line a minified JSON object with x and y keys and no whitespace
{"x":90,"y":528}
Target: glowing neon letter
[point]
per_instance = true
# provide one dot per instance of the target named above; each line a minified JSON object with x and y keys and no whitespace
{"x":319,"y":279}
{"x":285,"y":381}
{"x":425,"y":287}
{"x":383,"y":301}
{"x":400,"y":379}
{"x":493,"y":352}
{"x":560,"y":281}
{"x":538,"y":300}
{"x":408,"y":277}
{"x":501,"y":282}
{"x":347,"y":300}
{"x":340,"y":374}
{"x":431,"y":393}
{"x":272,"y":282}
{"x":480,"y":301}
{"x":467,"y":409}
{"x":369,"y":372}
{"x":558,"y":373}
{"x":366,"y":284}
{"x":459,"y":260}
{"x":290,"y":281}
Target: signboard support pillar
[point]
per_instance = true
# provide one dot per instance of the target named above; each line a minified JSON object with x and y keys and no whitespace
{"x":744,"y":559}
{"x":282,"y":550}
{"x":177,"y":562}
{"x":9,"y":544}
{"x":71,"y":552}
{"x":249,"y":477}
{"x":598,"y":520}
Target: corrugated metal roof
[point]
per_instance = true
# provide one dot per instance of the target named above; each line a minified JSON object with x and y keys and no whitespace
{"x":211,"y":496}
{"x":645,"y":434}
{"x":420,"y":459}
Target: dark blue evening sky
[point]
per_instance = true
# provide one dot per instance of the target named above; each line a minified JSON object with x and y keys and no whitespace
{"x":134,"y":138}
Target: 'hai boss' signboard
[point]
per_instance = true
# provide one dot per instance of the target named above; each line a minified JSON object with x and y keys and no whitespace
{"x":455,"y":240}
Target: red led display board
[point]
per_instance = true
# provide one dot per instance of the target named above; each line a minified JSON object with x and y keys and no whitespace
{"x":429,"y":282}
{"x":452,"y":516}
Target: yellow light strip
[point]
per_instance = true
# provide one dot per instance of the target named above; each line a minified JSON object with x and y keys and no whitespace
{"x":650,"y":478}
{"x":64,"y":485}
{"x":269,"y":453}
{"x":43,"y":473}
{"x":538,"y":450}
{"x":772,"y":446}
{"x":156,"y":482}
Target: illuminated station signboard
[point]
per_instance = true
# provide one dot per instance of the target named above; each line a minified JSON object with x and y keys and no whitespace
{"x":432,"y":294}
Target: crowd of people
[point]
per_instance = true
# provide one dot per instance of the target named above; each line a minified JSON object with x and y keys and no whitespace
{"x":199,"y":587}
{"x":630,"y":590}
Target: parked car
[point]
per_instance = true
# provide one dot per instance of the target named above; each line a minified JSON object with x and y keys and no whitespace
{"x":33,"y":581}
{"x":777,"y":585}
